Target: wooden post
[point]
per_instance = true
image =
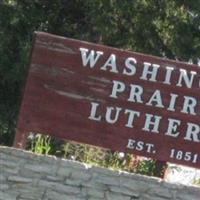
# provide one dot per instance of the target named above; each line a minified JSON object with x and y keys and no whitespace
{"x":20,"y":139}
{"x":160,"y":169}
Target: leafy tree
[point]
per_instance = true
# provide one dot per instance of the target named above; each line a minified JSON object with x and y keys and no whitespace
{"x":167,"y":28}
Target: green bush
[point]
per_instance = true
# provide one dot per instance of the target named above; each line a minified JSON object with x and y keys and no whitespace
{"x":44,"y":144}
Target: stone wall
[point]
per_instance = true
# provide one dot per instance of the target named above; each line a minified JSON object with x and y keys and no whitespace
{"x":24,"y":175}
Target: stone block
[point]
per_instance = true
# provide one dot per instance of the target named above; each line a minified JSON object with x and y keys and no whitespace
{"x":95,"y":193}
{"x":64,"y":171}
{"x":125,"y":191}
{"x":41,"y":168}
{"x":107,"y":180}
{"x":116,"y":196}
{"x":19,"y":179}
{"x":80,"y":175}
{"x":52,"y":195}
{"x":7,"y":196}
{"x":4,"y":186}
{"x":2,"y":177}
{"x":58,"y":187}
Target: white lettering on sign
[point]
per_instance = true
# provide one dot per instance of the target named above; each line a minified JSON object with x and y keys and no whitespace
{"x":172,"y":102}
{"x":118,"y":87}
{"x":90,"y":57}
{"x":168,"y":75}
{"x":135,"y":94}
{"x":141,"y":146}
{"x":173,"y":98}
{"x":150,"y":71}
{"x":192,"y":133}
{"x":189,"y":105}
{"x":130,"y":68}
{"x":181,"y":155}
{"x":185,"y":77}
{"x":172,"y":128}
{"x":155,"y":99}
{"x":110,"y":64}
{"x":151,"y":123}
{"x":131,"y":116}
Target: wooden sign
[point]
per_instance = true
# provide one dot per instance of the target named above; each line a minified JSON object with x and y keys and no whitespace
{"x":112,"y":98}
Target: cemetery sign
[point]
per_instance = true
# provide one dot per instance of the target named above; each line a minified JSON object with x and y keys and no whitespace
{"x":112,"y":98}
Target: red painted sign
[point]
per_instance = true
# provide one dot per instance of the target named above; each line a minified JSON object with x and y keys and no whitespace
{"x":113,"y":98}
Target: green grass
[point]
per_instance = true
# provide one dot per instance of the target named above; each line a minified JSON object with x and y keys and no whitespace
{"x":43,"y":144}
{"x":196,"y":182}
